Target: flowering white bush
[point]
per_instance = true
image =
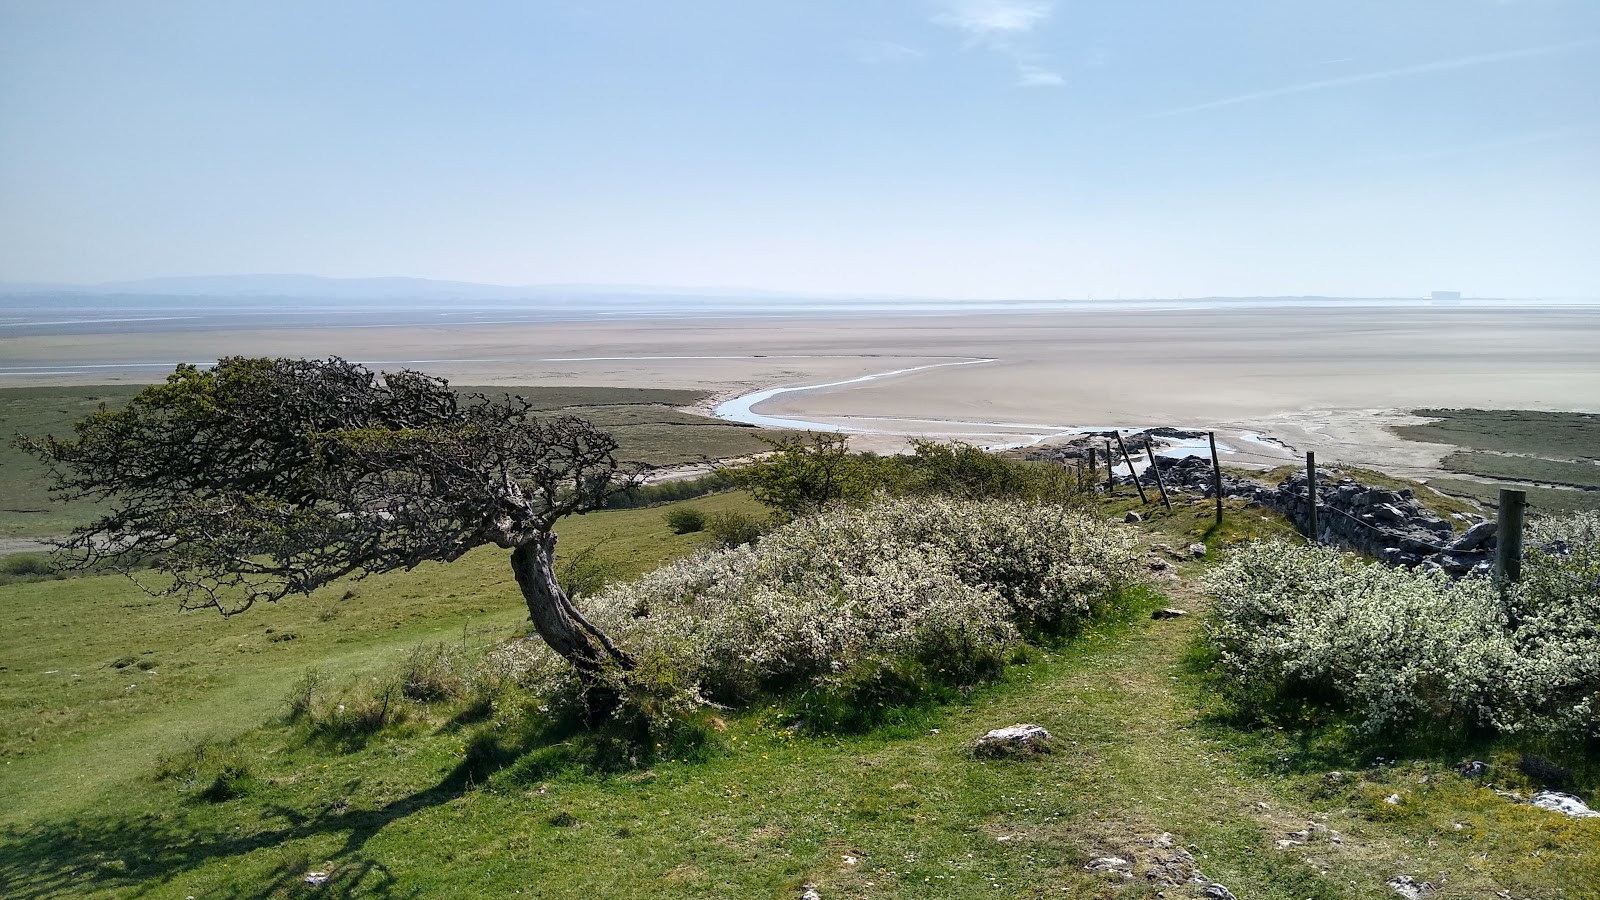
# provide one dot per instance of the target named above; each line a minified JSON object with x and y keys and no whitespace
{"x":1401,"y":646}
{"x":947,"y":582}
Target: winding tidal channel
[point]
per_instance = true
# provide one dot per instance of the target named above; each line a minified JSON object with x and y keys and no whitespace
{"x":1012,"y":434}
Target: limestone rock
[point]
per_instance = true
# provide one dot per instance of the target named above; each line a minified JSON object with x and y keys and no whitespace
{"x":1168,"y":613}
{"x":1132,"y":518}
{"x":1110,"y":865}
{"x":1013,"y":739}
{"x":1197,"y":550}
{"x":1475,"y":537}
{"x":1216,"y":891}
{"x":1409,"y":887}
{"x":1566,"y":804}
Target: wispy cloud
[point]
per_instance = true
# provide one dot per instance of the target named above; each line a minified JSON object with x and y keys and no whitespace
{"x":1031,"y":76}
{"x":885,"y":52}
{"x":1001,"y":25}
{"x":1444,"y":65}
{"x":985,"y":20}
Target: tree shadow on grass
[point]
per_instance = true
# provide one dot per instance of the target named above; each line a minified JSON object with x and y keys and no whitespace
{"x":134,"y":855}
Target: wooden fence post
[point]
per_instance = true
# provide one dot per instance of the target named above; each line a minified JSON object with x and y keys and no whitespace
{"x":1151,"y":453}
{"x":1094,"y":467}
{"x":1216,"y":474}
{"x":1111,"y":473}
{"x":1311,"y":494}
{"x":1131,"y":473}
{"x":1508,"y":535}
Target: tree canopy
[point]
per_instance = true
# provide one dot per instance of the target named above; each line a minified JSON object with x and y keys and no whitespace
{"x":260,"y":478}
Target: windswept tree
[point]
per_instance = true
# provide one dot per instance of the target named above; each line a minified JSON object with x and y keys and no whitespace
{"x":262,"y":478}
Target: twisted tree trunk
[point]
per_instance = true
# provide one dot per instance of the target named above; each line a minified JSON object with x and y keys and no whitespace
{"x":554,"y":616}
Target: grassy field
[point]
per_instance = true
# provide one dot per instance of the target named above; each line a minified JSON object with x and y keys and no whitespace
{"x":1525,"y":468}
{"x":25,"y":507}
{"x":1543,"y":501}
{"x":902,"y":811}
{"x":1521,"y":449}
{"x":645,"y":421}
{"x":1555,"y":435}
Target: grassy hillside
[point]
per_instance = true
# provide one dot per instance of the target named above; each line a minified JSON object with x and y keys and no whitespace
{"x":107,"y":788}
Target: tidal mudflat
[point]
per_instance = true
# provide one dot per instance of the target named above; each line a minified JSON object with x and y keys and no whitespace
{"x":1329,"y":379}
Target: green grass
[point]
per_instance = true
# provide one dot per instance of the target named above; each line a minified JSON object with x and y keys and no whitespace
{"x":67,"y":737}
{"x":905,"y":810}
{"x":646,"y":422}
{"x":1558,"y":435}
{"x":1544,"y":501}
{"x":25,"y":506}
{"x":1524,"y":468}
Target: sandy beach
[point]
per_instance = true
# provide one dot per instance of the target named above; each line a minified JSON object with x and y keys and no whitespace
{"x":1321,"y":379}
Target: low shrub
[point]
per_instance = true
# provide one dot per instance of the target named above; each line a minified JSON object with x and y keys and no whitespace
{"x":26,"y":565}
{"x":804,"y":475}
{"x":846,"y":603}
{"x":730,"y":528}
{"x":303,"y":693}
{"x":432,"y":672}
{"x":349,"y":721}
{"x":1401,"y":649}
{"x":671,"y":491}
{"x":685,"y":520}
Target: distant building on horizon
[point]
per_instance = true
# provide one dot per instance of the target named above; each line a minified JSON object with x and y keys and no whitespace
{"x":1446,"y":296}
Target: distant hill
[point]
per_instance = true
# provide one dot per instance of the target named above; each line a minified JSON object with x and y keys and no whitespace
{"x":314,"y":287}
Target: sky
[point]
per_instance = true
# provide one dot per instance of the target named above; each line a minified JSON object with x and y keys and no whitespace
{"x":952,"y":148}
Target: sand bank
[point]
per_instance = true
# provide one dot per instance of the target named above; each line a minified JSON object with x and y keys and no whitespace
{"x":1329,"y":380}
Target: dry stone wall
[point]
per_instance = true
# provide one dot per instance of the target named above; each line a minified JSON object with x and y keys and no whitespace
{"x":1389,"y":525}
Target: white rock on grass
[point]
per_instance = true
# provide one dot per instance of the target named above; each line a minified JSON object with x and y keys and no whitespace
{"x":1566,"y":804}
{"x":1019,"y":738}
{"x":1409,"y":887}
{"x":809,"y":892}
{"x":1110,"y":865}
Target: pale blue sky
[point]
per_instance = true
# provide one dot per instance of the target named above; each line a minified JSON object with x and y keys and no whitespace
{"x":959,"y":148}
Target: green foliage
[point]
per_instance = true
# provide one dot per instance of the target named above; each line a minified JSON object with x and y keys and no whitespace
{"x":1298,"y":629}
{"x":303,"y":694}
{"x":943,"y":584}
{"x":966,"y":472}
{"x":635,"y":496}
{"x":584,"y":571}
{"x":803,"y":475}
{"x":347,"y":722}
{"x":261,"y":478}
{"x":731,"y":528}
{"x":431,"y":673}
{"x":25,"y":567}
{"x":26,"y":564}
{"x":685,"y":520}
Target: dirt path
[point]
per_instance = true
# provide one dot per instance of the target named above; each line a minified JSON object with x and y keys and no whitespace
{"x":1162,"y":770}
